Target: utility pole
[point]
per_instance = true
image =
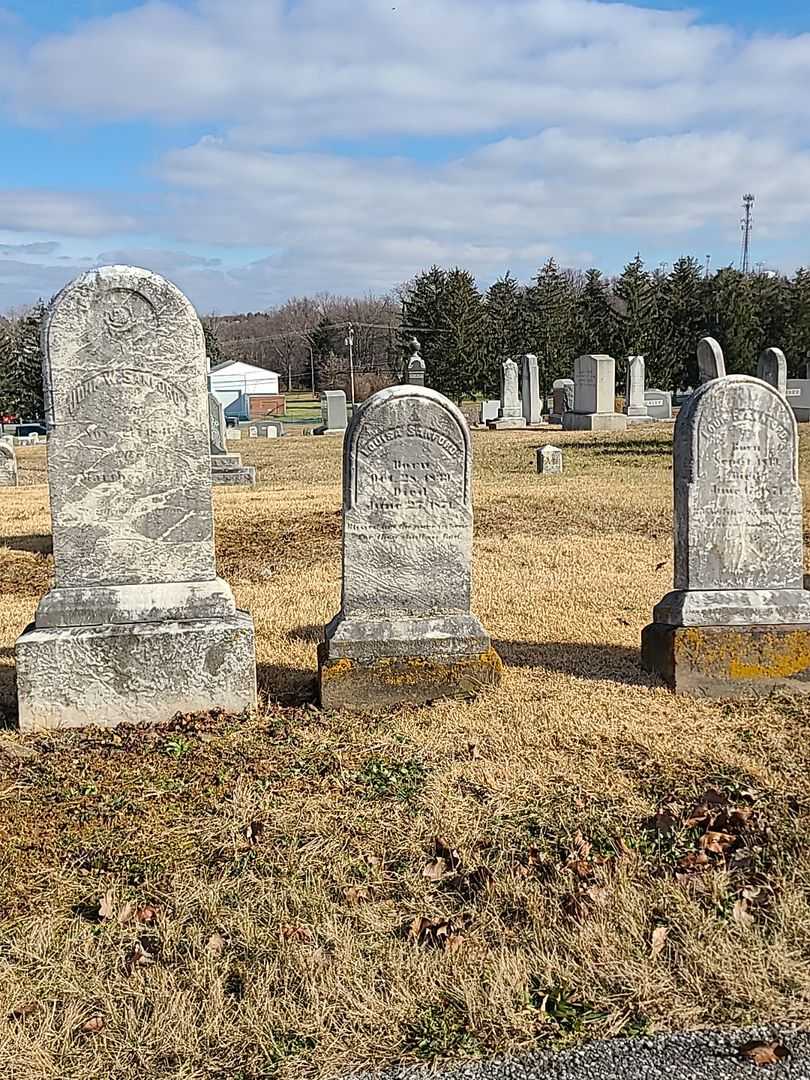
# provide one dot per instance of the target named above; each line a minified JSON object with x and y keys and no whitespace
{"x":312,"y":368}
{"x":350,"y":342}
{"x":747,"y":227}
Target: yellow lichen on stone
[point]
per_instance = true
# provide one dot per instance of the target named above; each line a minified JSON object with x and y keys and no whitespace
{"x":336,"y":668}
{"x":740,"y":654}
{"x":781,"y":658}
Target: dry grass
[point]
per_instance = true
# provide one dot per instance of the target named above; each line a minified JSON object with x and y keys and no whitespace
{"x":280,"y":857}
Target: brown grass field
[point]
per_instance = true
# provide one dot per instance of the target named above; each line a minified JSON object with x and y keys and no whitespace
{"x":576,"y":854}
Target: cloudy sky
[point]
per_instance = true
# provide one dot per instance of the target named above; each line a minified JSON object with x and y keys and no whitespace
{"x":256,"y":149}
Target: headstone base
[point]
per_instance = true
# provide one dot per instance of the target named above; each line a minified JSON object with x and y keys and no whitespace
{"x":728,"y":661}
{"x":639,"y":419}
{"x":507,"y":423}
{"x":136,"y":673}
{"x":554,"y":418}
{"x":368,"y":664}
{"x":329,"y":431}
{"x":228,"y":469}
{"x":723,"y":607}
{"x":573,"y":421}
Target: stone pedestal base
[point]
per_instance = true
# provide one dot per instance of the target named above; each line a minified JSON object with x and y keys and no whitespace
{"x":329,"y":431}
{"x":639,"y":419}
{"x":573,"y":421}
{"x":728,"y":661}
{"x":507,"y":423}
{"x":368,"y":664}
{"x":136,"y":673}
{"x":228,"y":469}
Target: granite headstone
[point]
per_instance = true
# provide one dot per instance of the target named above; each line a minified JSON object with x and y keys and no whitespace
{"x":549,"y":460}
{"x":530,"y":389}
{"x":594,"y":396}
{"x":8,"y":462}
{"x":510,"y":413}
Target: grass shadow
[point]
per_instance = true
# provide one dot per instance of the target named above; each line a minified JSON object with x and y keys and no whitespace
{"x":38,"y":543}
{"x":584,"y":661}
{"x":310,"y":633}
{"x":9,"y":713}
{"x":284,"y":685}
{"x":650,"y":448}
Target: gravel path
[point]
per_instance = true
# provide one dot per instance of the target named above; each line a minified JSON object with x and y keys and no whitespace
{"x":698,"y":1055}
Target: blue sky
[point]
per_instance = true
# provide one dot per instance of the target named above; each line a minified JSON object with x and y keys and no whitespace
{"x":256,"y":150}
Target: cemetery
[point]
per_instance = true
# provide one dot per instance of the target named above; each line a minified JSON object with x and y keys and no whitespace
{"x":433,"y":738}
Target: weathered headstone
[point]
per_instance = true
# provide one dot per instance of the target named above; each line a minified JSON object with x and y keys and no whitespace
{"x":8,"y":462}
{"x":739,"y":618}
{"x":772,"y":368}
{"x":510,"y":414}
{"x":711,"y":364}
{"x":549,"y":460}
{"x":416,"y":365}
{"x":137,"y":625}
{"x":594,"y":396}
{"x":489,"y":410}
{"x":797,"y":393}
{"x":659,"y":403}
{"x":562,"y":393}
{"x":530,"y":390}
{"x":253,"y":433}
{"x":635,"y":405}
{"x":233,"y":434}
{"x":226,"y":468}
{"x":333,"y":413}
{"x":404,"y":632}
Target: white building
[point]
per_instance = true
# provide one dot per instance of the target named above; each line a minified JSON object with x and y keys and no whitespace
{"x":234,"y":382}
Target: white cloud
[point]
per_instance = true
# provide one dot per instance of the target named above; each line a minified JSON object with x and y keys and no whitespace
{"x":34,"y":210}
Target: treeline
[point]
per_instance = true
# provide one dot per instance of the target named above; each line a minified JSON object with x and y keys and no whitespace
{"x":21,"y":365}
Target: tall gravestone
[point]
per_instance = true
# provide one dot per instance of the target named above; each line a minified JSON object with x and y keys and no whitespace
{"x":8,"y":462}
{"x":137,"y":625}
{"x":594,"y":396}
{"x":510,"y":413}
{"x":739,"y":618}
{"x":416,"y":365}
{"x":333,"y":413}
{"x":530,"y":390}
{"x":405,"y":632}
{"x":772,"y":368}
{"x":226,"y":468}
{"x":635,"y":405}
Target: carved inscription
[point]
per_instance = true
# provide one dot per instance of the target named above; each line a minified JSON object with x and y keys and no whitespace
{"x":408,"y":521}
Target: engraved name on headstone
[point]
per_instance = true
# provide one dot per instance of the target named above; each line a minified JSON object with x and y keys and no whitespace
{"x":738,"y":509}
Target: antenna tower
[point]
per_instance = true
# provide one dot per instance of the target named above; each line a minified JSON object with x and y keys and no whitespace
{"x":747,"y":225}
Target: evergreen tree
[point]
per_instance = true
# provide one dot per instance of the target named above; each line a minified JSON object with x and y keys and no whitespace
{"x":213,"y":350}
{"x":458,"y":365}
{"x":505,"y":329}
{"x":771,"y":301}
{"x":551,"y":306}
{"x":683,"y":323}
{"x":732,"y":320}
{"x":21,"y":367}
{"x":324,"y":339}
{"x":635,"y":310}
{"x":422,"y":307}
{"x":594,"y":316}
{"x":797,"y":341}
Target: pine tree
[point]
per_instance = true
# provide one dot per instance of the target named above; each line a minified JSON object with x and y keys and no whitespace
{"x":594,"y":316}
{"x":323,"y":340}
{"x":505,"y":328}
{"x":635,"y":310}
{"x":422,"y":307}
{"x":213,"y":349}
{"x":797,"y":342}
{"x":683,"y":322}
{"x":21,"y":367}
{"x":771,"y":301}
{"x":732,"y":320}
{"x":551,"y":304}
{"x":458,"y":367}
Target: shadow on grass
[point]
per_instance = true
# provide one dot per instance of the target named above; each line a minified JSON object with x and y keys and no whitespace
{"x":634,"y":448}
{"x":9,"y":714}
{"x":309,"y":633}
{"x":39,"y":543}
{"x":284,"y":685}
{"x":600,"y":662}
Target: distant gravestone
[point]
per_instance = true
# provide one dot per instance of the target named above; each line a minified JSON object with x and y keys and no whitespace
{"x":416,"y":365}
{"x":404,"y":632}
{"x":510,"y":414}
{"x":333,"y":413}
{"x":562,"y":393}
{"x":216,"y":425}
{"x":489,"y":410}
{"x":530,"y":390}
{"x":253,"y":433}
{"x":635,"y":405}
{"x":8,"y":462}
{"x":797,"y":393}
{"x":772,"y":368}
{"x":711,"y":364}
{"x":137,"y":626}
{"x":739,"y":617}
{"x":549,"y":460}
{"x":226,"y":468}
{"x":594,"y":396}
{"x":659,"y":403}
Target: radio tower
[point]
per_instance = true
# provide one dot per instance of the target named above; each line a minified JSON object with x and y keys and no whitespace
{"x":747,"y":226}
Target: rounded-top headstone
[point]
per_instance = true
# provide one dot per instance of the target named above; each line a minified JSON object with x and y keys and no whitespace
{"x":772,"y":368}
{"x":128,"y":456}
{"x":711,"y":364}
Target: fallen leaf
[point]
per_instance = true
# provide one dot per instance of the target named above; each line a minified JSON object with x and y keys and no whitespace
{"x":763,"y":1053}
{"x":717,"y":842}
{"x":253,"y":833}
{"x":216,"y":945}
{"x":711,"y":802}
{"x":356,"y":895}
{"x":146,"y":914}
{"x":442,"y":850}
{"x":658,"y":941}
{"x":582,"y":847}
{"x":126,"y":914}
{"x":435,"y":869}
{"x":664,"y":822}
{"x":741,"y":914}
{"x":436,"y":933}
{"x":22,"y":1011}
{"x":296,"y":933}
{"x":106,"y":906}
{"x":93,"y":1025}
{"x":139,"y":955}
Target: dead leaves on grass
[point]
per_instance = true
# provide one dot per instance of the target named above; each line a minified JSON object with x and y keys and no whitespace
{"x":763,"y":1053}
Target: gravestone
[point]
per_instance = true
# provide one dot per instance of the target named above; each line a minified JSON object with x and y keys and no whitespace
{"x":635,"y":405}
{"x":549,"y":460}
{"x":772,"y":368}
{"x":530,"y":390}
{"x":8,"y":462}
{"x":711,"y":364}
{"x":510,"y":414}
{"x":738,"y":618}
{"x":226,"y":469}
{"x":253,"y":433}
{"x":405,"y":632}
{"x":489,"y":410}
{"x":137,"y":625}
{"x":416,"y":365}
{"x":233,"y":434}
{"x":333,"y":413}
{"x":659,"y":403}
{"x":594,"y":396}
{"x":562,"y":393}
{"x":270,"y":429}
{"x":797,"y":393}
